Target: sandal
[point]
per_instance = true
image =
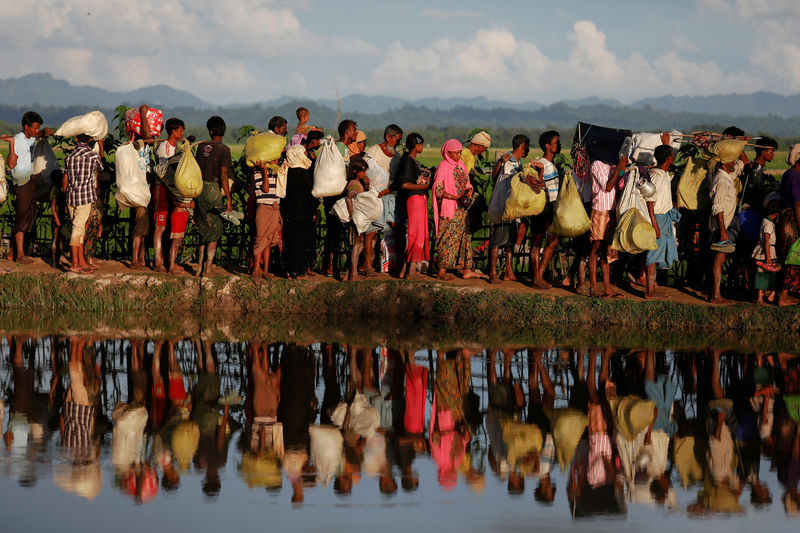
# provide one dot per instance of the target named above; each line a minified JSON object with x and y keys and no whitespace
{"x":724,"y":247}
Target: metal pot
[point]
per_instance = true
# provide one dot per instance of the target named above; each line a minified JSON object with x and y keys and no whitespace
{"x":647,"y":189}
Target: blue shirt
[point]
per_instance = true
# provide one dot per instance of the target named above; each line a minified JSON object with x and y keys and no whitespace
{"x":23,"y":147}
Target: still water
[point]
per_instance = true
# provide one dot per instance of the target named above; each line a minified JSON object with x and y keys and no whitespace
{"x":189,"y":434}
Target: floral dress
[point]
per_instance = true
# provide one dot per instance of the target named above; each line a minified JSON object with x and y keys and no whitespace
{"x":453,"y":244}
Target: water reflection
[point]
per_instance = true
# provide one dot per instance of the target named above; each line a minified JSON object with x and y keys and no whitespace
{"x":672,"y":431}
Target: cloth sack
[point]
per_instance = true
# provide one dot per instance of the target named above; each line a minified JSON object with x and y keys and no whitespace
{"x":693,"y":186}
{"x":263,"y":148}
{"x":188,"y":176}
{"x":632,"y":415}
{"x":3,"y":182}
{"x":634,"y":233}
{"x":133,"y":121}
{"x":326,"y":447}
{"x":522,"y":201}
{"x":330,"y":176}
{"x":793,"y":257}
{"x":132,"y":187}
{"x":44,"y":163}
{"x":367,"y":207}
{"x":93,"y":124}
{"x":567,"y":425}
{"x":644,"y":144}
{"x":569,"y":215}
{"x":631,"y":197}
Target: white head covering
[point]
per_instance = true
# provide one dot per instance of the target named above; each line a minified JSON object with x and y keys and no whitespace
{"x":793,"y":155}
{"x":481,"y":138}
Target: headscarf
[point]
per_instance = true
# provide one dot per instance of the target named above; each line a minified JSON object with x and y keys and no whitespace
{"x":482,"y":138}
{"x":297,"y":138}
{"x":445,"y":174}
{"x":353,"y":146}
{"x":295,"y":158}
{"x":793,"y":155}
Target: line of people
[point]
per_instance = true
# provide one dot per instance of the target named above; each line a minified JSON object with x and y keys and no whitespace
{"x":741,"y":212}
{"x":622,"y":427}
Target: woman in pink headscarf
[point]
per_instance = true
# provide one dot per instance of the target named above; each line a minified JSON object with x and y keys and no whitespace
{"x":452,"y":196}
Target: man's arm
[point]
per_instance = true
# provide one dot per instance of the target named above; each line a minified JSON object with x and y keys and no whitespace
{"x":12,"y":154}
{"x":223,"y":178}
{"x":614,"y":178}
{"x":651,"y":211}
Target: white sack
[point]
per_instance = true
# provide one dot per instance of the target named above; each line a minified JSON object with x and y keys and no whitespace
{"x":93,"y":124}
{"x":330,"y":176}
{"x":132,"y":187}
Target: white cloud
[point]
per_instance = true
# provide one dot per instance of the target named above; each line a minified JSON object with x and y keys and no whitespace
{"x":495,"y":62}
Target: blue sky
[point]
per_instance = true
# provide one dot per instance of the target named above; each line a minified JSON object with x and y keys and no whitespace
{"x":253,"y":50}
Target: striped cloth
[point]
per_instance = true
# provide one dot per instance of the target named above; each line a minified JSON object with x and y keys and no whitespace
{"x":265,"y":198}
{"x":80,"y":165}
{"x":599,"y":448}
{"x":78,"y":429}
{"x":602,"y":200}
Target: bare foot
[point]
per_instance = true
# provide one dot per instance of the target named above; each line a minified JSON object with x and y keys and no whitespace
{"x":446,"y":277}
{"x":161,"y":268}
{"x":78,"y":270}
{"x":597,"y":293}
{"x":354,"y":277}
{"x":24,"y":260}
{"x":583,"y":289}
{"x":542,"y":285}
{"x":788,"y":300}
{"x":176,"y":269}
{"x":509,"y":276}
{"x":257,"y":274}
{"x":657,"y":295}
{"x":494,"y":279}
{"x":472,"y":274}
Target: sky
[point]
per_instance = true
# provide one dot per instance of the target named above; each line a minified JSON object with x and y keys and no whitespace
{"x":519,"y":51}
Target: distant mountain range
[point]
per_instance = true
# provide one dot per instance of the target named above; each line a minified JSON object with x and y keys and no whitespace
{"x":757,"y":113}
{"x":45,"y":90}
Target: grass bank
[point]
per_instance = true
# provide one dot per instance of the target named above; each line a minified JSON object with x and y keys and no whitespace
{"x":400,"y":313}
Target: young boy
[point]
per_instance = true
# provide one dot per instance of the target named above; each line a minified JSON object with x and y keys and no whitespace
{"x":550,"y":144}
{"x":764,"y":252}
{"x":303,"y":127}
{"x":214,"y":159}
{"x":724,"y":227}
{"x":604,"y":183}
{"x":78,"y":183}
{"x":161,"y":198}
{"x":503,"y":234}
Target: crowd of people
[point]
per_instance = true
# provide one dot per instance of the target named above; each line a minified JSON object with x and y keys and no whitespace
{"x":623,"y":427}
{"x":743,"y":217}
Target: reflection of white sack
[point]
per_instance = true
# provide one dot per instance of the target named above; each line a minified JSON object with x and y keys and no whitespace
{"x":93,"y":124}
{"x":330,"y":177}
{"x":326,"y":451}
{"x":83,"y":480}
{"x":645,"y":143}
{"x":631,"y":197}
{"x":378,"y":177}
{"x":132,"y":188}
{"x":127,"y":441}
{"x":44,"y":163}
{"x":366,"y":208}
{"x":364,"y":419}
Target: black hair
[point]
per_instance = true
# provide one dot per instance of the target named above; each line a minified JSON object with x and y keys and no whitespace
{"x":357,"y":166}
{"x":30,"y":118}
{"x":733,"y":131}
{"x":276,"y":122}
{"x":772,"y":207}
{"x":313,"y":135}
{"x":662,"y":153}
{"x":173,"y":124}
{"x":216,"y":126}
{"x":83,"y":138}
{"x":392,"y":129}
{"x":412,"y":140}
{"x":520,"y":140}
{"x":764,"y":143}
{"x":344,"y":125}
{"x":546,"y":138}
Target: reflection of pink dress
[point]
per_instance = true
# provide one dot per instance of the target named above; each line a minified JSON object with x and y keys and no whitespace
{"x":416,"y":387}
{"x":448,"y":455}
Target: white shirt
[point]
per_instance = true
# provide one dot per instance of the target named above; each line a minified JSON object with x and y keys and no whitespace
{"x":23,"y":147}
{"x":723,"y":198}
{"x":662,"y":202}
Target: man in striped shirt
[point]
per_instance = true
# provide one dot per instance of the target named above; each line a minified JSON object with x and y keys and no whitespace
{"x":81,"y":166}
{"x":604,"y":190}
